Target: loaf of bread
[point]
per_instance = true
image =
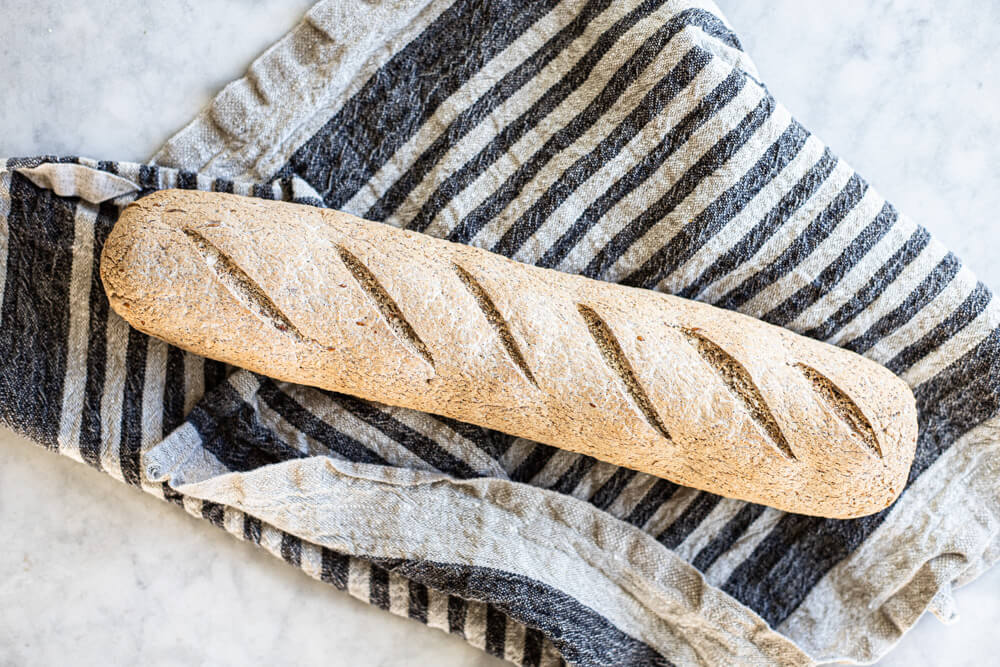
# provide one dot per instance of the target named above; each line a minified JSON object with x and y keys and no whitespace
{"x":701,"y":396}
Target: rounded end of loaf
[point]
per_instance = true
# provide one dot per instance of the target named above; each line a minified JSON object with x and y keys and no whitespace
{"x":162,"y":276}
{"x":120,"y":259}
{"x":830,"y":433}
{"x":138,"y":267}
{"x":896,"y":426}
{"x":871,"y":466}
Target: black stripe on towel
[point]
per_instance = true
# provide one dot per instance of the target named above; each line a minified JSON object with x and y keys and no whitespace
{"x":378,"y":587}
{"x":835,"y":271}
{"x":230,"y":430}
{"x":135,"y":378}
{"x":251,"y":529}
{"x":513,"y":131}
{"x":727,"y":537}
{"x":405,"y":92}
{"x":582,"y":635}
{"x":334,"y":568}
{"x":493,"y":443}
{"x":215,"y":374}
{"x":973,"y":306}
{"x":291,"y":549}
{"x":187,"y":180}
{"x":690,"y":518}
{"x":458,"y":610}
{"x":149,"y":177}
{"x":532,"y":655}
{"x":575,"y":474}
{"x":665,"y":91}
{"x":476,"y":112}
{"x":314,"y":427}
{"x":804,"y":244}
{"x":171,"y":495}
{"x":875,"y":285}
{"x":263,"y":191}
{"x":610,"y":490}
{"x":91,"y":435}
{"x":660,"y":493}
{"x":496,"y":631}
{"x":214,"y":512}
{"x":222,"y":185}
{"x":418,"y":443}
{"x":173,"y":390}
{"x":765,"y":228}
{"x":924,"y":293}
{"x":717,"y":215}
{"x":533,"y":463}
{"x":717,"y":156}
{"x":419,"y":600}
{"x":36,"y":310}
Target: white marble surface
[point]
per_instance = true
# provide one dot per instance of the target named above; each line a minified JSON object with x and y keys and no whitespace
{"x":96,"y":573}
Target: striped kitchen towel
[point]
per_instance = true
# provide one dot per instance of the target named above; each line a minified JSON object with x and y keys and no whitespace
{"x":629,"y":141}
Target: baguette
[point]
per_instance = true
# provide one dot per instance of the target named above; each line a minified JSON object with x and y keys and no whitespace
{"x":695,"y":394}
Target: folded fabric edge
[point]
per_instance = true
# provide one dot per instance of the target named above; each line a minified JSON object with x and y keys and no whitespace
{"x":890,"y":580}
{"x":289,"y":91}
{"x":79,"y":180}
{"x":624,"y":590}
{"x":899,"y":605}
{"x":255,"y":124}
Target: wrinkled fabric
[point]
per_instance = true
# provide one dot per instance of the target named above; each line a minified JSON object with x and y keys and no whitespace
{"x":631,"y":142}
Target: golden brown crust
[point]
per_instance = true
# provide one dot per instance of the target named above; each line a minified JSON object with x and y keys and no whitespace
{"x":701,"y":396}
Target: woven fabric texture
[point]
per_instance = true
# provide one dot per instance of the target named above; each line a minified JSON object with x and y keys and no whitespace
{"x":627,"y":141}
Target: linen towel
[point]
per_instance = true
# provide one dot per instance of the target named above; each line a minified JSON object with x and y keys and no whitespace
{"x":627,"y":141}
